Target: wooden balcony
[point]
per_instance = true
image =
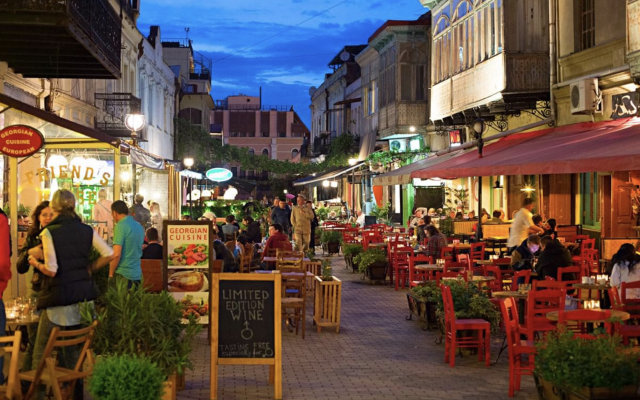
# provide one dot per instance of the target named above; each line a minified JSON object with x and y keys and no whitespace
{"x":61,"y":38}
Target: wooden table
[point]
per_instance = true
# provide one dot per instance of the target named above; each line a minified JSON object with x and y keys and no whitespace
{"x":500,"y":262}
{"x":591,"y":286}
{"x":429,"y":267}
{"x":496,"y":241}
{"x":615,"y":314}
{"x":510,"y":293}
{"x":478,"y":278}
{"x":274,"y":259}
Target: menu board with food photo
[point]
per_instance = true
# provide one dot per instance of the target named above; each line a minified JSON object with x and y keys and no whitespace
{"x":187,"y":271}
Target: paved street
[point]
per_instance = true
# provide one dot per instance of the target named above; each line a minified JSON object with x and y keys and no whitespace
{"x":376,"y":355}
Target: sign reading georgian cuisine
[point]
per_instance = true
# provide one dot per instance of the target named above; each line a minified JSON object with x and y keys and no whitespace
{"x":20,"y":141}
{"x":219,"y":174}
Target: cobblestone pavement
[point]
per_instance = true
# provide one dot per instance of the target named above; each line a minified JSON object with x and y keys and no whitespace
{"x":378,"y":354}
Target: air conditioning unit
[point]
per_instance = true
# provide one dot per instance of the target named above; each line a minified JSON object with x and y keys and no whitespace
{"x":586,"y":97}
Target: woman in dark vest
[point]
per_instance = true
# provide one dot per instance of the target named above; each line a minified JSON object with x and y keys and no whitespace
{"x":66,"y":245}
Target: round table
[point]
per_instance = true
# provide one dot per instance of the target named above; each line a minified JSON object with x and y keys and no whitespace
{"x":510,"y":293}
{"x":429,"y":267}
{"x":615,"y":314}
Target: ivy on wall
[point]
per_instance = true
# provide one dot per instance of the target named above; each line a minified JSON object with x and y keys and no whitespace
{"x":193,"y":141}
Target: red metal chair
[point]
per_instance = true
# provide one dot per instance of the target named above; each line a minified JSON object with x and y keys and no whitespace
{"x":539,"y":303}
{"x":455,"y":329}
{"x":417,"y":277}
{"x":526,"y":274}
{"x":521,"y":352}
{"x":400,"y":265}
{"x":447,"y":252}
{"x":349,"y":237}
{"x":464,"y":259}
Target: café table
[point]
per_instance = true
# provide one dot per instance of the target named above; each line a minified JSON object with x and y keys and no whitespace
{"x":615,"y":314}
{"x":496,"y":242}
{"x":500,"y":262}
{"x":599,"y":288}
{"x":274,"y":259}
{"x":429,"y":267}
{"x":516,"y":294}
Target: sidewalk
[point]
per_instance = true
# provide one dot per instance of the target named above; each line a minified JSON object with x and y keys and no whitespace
{"x":377,"y":355}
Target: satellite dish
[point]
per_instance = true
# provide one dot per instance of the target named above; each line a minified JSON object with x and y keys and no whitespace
{"x":345,"y":56}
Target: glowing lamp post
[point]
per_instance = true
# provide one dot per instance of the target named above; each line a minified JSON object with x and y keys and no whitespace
{"x":188,"y":163}
{"x":134,"y":122}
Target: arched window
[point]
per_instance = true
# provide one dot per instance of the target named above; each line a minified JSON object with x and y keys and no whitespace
{"x":294,"y":153}
{"x":251,"y":152}
{"x":265,"y":152}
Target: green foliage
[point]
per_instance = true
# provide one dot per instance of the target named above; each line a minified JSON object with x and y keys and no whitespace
{"x":571,"y":362}
{"x":327,"y":270}
{"x":330,"y":236}
{"x":446,"y":226}
{"x":322,"y":213}
{"x":382,"y":213}
{"x":125,"y":377}
{"x":456,"y":199}
{"x":351,"y":249}
{"x":369,"y":257}
{"x":136,"y":322}
{"x":390,"y":156}
{"x":471,"y":302}
{"x":429,"y":291}
{"x":22,"y":209}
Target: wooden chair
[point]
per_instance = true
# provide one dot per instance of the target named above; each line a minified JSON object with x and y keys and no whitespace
{"x":569,"y":275}
{"x":416,"y":277}
{"x":53,"y":375}
{"x":577,"y":321}
{"x":453,"y":326}
{"x":476,"y":251}
{"x":625,"y":329}
{"x":152,"y":274}
{"x":525,"y":274}
{"x":289,"y":261}
{"x":293,"y":301}
{"x":521,"y":352}
{"x":247,"y":257}
{"x":539,"y":303}
{"x":11,"y":345}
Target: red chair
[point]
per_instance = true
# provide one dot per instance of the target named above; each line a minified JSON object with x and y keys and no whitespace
{"x":577,"y":321}
{"x":349,"y":237}
{"x":476,"y":251}
{"x":548,"y":284}
{"x":526,"y":274}
{"x":417,"y":277}
{"x":539,"y":303}
{"x":464,"y":259}
{"x":400,"y":265}
{"x":569,"y":275}
{"x":454,"y":327}
{"x":625,"y":330}
{"x":495,"y":271}
{"x":518,"y":364}
{"x":371,"y":238}
{"x":447,"y":252}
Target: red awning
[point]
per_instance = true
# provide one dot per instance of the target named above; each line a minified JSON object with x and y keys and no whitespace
{"x":585,"y":147}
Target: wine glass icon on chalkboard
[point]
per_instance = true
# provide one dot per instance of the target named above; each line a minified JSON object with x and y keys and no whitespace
{"x":246,"y":333}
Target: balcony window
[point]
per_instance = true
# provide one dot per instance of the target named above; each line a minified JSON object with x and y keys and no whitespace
{"x":584,"y":23}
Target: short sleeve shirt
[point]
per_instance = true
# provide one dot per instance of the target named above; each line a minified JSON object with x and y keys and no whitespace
{"x":520,"y":227}
{"x":129,"y":234}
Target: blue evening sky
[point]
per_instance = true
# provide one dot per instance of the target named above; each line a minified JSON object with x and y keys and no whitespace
{"x":282,"y":45}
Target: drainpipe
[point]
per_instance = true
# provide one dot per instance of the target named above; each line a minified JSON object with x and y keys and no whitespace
{"x":552,"y":56}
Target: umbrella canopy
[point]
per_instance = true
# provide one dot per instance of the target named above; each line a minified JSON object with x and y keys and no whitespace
{"x":289,"y":196}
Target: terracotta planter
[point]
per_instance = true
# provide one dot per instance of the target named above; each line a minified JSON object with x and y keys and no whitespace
{"x":327,"y":303}
{"x":549,"y":391}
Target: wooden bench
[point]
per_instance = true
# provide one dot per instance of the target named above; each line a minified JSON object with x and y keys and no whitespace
{"x":495,"y":230}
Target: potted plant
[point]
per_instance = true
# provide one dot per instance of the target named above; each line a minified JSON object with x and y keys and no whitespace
{"x":350,"y":250}
{"x":423,"y":301}
{"x":126,"y":377}
{"x":372,"y":263}
{"x":327,"y":299}
{"x":382,"y":213}
{"x":133,"y":321}
{"x":568,"y":367}
{"x":331,"y":240}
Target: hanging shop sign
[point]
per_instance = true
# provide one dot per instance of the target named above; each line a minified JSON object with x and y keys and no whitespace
{"x":625,"y":105}
{"x":455,"y":138}
{"x":219,"y":174}
{"x":20,"y":141}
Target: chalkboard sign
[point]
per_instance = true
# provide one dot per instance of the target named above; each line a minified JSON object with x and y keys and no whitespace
{"x":246,"y":324}
{"x":246,"y":320}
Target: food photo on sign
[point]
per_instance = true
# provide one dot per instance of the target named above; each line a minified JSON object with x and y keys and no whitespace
{"x":187,"y":262}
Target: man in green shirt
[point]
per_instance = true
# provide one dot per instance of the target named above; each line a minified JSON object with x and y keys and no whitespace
{"x":128,"y":236}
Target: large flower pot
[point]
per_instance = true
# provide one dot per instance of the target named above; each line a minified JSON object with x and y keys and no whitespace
{"x":377,"y":271}
{"x":549,"y":391}
{"x":333,"y":247}
{"x":327,"y":303}
{"x":425,"y":311}
{"x":169,"y":387}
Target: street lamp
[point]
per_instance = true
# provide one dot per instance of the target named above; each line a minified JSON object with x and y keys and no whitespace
{"x":188,"y":163}
{"x":134,"y":122}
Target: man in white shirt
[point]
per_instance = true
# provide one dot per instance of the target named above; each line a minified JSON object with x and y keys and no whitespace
{"x":522,"y":225}
{"x":360,"y":219}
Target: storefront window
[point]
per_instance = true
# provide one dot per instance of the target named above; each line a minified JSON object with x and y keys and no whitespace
{"x":589,"y":199}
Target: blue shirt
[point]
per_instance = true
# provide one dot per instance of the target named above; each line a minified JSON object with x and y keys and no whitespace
{"x":129,"y":234}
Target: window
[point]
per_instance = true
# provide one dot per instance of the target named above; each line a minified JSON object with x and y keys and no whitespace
{"x":420,"y":89}
{"x":405,"y":82}
{"x":192,"y":115}
{"x":294,"y":153}
{"x":265,"y":152}
{"x":251,"y":152}
{"x":584,"y":24}
{"x":589,"y":199}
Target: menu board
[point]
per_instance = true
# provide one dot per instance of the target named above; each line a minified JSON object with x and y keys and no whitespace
{"x":246,"y":324}
{"x":245,"y":319}
{"x":188,"y":252}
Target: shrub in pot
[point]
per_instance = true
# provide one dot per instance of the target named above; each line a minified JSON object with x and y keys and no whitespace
{"x":579,"y":368}
{"x":133,"y":321}
{"x":470,"y":302}
{"x":332,"y":240}
{"x":372,"y":263}
{"x":126,"y":377}
{"x":350,"y":250}
{"x":422,"y":302}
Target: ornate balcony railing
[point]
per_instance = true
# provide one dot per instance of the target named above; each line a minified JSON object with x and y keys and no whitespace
{"x":113,"y":107}
{"x":61,"y":38}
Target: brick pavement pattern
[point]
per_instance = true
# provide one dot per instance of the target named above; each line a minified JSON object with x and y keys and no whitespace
{"x":378,"y":354}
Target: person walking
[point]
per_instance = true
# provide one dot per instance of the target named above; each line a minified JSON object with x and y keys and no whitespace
{"x":282,"y":215}
{"x":66,"y":246}
{"x":128,"y":237}
{"x":140,"y":213}
{"x":314,"y":225}
{"x":41,"y":217}
{"x":301,"y":217}
{"x":522,"y":225}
